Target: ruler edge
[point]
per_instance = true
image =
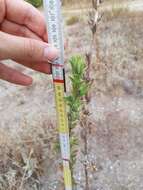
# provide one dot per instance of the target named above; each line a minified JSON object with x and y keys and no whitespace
{"x":62,"y":59}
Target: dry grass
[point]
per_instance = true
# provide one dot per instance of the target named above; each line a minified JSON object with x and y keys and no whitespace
{"x":120,"y":42}
{"x":117,"y":10}
{"x":72,"y":20}
{"x":26,"y":157}
{"x":23,"y":156}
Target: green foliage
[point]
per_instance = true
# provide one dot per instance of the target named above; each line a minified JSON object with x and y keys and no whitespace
{"x":79,"y":85}
{"x":75,"y":102}
{"x":36,"y":3}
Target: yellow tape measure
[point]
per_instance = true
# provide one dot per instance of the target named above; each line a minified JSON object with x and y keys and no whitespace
{"x":55,"y":37}
{"x":60,"y":104}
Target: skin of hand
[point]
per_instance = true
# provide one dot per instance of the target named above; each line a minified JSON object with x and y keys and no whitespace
{"x":23,"y":39}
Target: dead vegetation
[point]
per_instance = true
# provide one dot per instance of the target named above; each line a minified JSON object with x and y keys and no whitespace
{"x":27,"y":159}
{"x":121,"y":48}
{"x":23,"y":157}
{"x":72,"y":20}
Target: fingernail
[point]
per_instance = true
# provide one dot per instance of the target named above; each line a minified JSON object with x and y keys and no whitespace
{"x":50,"y":53}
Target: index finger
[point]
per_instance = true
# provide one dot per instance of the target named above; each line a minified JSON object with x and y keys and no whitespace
{"x":23,"y":13}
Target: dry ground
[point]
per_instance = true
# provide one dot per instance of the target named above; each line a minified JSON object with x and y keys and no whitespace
{"x":27,"y":115}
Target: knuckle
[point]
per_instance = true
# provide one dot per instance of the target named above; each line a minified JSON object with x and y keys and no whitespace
{"x":33,"y":50}
{"x":27,"y":17}
{"x":30,"y":48}
{"x":21,"y":30}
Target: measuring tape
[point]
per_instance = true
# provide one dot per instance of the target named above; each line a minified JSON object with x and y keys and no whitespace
{"x":55,"y":37}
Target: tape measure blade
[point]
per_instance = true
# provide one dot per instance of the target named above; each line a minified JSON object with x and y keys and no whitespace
{"x":55,"y":36}
{"x":54,"y":26}
{"x":67,"y":175}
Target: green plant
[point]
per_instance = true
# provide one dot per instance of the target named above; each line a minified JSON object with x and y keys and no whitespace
{"x":75,"y":102}
{"x":80,"y":97}
{"x":36,"y":3}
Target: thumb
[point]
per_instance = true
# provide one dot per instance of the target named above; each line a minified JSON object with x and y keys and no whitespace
{"x":25,"y":49}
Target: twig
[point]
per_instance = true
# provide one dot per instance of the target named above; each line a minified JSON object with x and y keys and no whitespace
{"x":25,"y":171}
{"x":94,"y":18}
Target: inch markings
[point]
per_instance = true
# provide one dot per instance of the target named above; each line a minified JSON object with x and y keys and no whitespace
{"x":55,"y":37}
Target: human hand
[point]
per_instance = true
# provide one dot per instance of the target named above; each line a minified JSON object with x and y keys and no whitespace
{"x":23,"y":38}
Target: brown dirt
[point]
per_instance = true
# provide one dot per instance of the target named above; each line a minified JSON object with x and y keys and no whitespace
{"x":115,"y":139}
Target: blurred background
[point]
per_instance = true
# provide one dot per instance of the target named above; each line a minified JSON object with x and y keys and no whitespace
{"x":28,"y":160}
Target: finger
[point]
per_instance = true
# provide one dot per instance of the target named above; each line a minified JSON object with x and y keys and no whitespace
{"x":25,"y":14}
{"x":24,"y":49}
{"x":40,"y":67}
{"x":18,"y":30}
{"x":14,"y":76}
{"x":46,"y":37}
{"x":2,"y":10}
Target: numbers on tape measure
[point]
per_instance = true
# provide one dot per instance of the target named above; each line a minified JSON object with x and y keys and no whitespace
{"x":60,"y":103}
{"x":54,"y":26}
{"x":64,"y":142}
{"x":57,"y":73}
{"x":55,"y":37}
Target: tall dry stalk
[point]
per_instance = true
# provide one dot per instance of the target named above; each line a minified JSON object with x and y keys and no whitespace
{"x":93,"y":21}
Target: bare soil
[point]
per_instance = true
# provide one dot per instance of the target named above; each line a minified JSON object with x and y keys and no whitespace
{"x":115,"y":139}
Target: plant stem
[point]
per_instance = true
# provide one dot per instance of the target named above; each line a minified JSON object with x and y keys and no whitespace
{"x":85,"y":138}
{"x":93,"y":21}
